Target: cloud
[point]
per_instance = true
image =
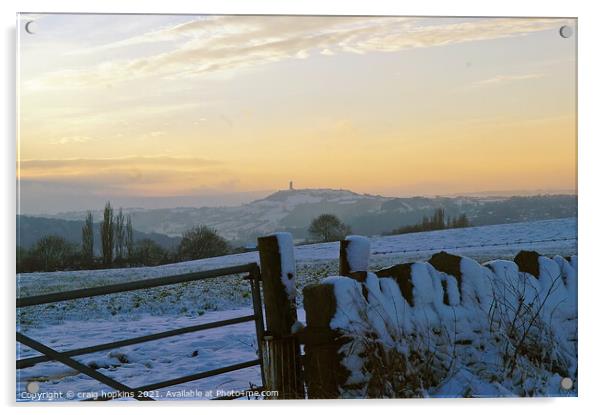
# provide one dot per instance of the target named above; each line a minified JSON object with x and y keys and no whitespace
{"x":502,"y":79}
{"x":95,"y":163}
{"x":71,"y":140}
{"x":227,"y":43}
{"x":128,"y":175}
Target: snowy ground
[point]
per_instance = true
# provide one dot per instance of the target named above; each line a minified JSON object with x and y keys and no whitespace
{"x":102,"y":319}
{"x":150,"y":362}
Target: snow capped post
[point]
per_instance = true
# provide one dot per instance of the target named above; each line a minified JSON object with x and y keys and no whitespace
{"x":324,"y":371}
{"x":277,"y":260}
{"x":282,"y":360}
{"x":354,"y":256}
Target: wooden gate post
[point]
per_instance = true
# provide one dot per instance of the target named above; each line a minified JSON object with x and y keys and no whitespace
{"x":282,"y":361}
{"x":353,"y":257}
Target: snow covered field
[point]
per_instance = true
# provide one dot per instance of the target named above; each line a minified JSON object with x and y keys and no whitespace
{"x":150,"y":362}
{"x":560,"y":235}
{"x":102,"y":319}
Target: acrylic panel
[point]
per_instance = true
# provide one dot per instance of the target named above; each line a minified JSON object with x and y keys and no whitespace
{"x":295,"y":207}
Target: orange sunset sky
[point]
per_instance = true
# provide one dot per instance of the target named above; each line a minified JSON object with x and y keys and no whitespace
{"x":150,"y":106}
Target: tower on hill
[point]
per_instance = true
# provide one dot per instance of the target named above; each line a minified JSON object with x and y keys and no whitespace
{"x":290,"y":185}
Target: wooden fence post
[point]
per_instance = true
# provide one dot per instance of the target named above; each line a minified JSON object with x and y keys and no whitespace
{"x":344,"y":267}
{"x":353,"y":257}
{"x":282,"y":361}
{"x":324,"y":372}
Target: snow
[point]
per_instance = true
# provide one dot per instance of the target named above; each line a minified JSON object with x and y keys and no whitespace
{"x":559,"y":236}
{"x":287,"y":262}
{"x":349,"y":317}
{"x":374,"y":311}
{"x":349,"y":303}
{"x":84,"y":322}
{"x":150,"y":362}
{"x":465,"y":383}
{"x":358,"y":252}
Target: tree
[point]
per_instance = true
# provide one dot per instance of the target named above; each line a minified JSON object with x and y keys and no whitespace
{"x":327,"y":228}
{"x":88,"y":240}
{"x":435,"y":222}
{"x":462,"y":221}
{"x":23,"y":260}
{"x":119,"y":236}
{"x":107,"y":236}
{"x":202,"y":242}
{"x":53,"y":253}
{"x":129,"y":238}
{"x":148,"y":252}
{"x":438,"y":221}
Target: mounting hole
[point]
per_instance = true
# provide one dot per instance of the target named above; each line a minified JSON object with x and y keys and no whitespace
{"x":566,"y":383}
{"x":30,"y":27}
{"x":33,"y":387}
{"x":566,"y":31}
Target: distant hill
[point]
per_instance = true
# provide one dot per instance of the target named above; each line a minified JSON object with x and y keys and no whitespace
{"x":30,"y":229}
{"x":293,"y":210}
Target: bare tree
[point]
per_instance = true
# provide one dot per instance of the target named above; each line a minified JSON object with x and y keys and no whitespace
{"x":119,"y":236}
{"x":149,"y":252}
{"x":107,"y":235}
{"x":88,"y":240}
{"x":129,"y":238}
{"x":53,"y":253}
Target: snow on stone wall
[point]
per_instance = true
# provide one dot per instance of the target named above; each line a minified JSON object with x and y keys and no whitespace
{"x":465,"y":311}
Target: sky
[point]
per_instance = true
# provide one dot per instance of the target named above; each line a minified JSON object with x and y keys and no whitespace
{"x":176,"y":110}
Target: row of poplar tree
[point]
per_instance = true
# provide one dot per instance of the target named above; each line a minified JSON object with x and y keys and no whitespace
{"x":116,"y":237}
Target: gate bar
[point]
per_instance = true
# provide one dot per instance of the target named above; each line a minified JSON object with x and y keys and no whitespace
{"x":74,"y":364}
{"x":201,"y":375}
{"x":32,"y":361}
{"x":254,"y":279}
{"x":132,"y":286}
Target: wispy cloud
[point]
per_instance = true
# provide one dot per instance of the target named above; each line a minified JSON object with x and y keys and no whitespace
{"x":226,"y":43}
{"x":141,"y":175}
{"x":502,"y":79}
{"x":48,"y":165}
{"x":71,"y":140}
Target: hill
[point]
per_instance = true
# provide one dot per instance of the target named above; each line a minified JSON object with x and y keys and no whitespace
{"x":293,"y":210}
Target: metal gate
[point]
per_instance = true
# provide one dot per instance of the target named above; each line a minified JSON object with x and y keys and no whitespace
{"x":253,"y":275}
